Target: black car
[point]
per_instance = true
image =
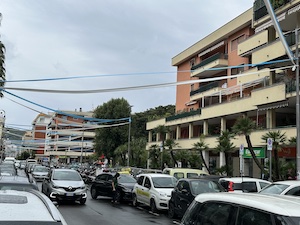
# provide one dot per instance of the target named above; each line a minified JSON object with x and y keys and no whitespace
{"x":18,"y":183}
{"x":186,"y":190}
{"x":102,"y":186}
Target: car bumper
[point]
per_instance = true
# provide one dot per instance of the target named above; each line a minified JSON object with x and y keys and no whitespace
{"x":127,"y":196}
{"x":67,"y":196}
{"x":163,"y":203}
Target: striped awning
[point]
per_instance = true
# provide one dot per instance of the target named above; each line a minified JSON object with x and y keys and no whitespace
{"x":274,"y":105}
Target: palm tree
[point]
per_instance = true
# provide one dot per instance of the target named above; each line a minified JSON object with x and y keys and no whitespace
{"x":202,"y":146}
{"x":170,"y":143}
{"x":278,"y":139}
{"x":244,"y":126}
{"x":2,"y":64}
{"x":226,"y":146}
{"x":154,"y":156}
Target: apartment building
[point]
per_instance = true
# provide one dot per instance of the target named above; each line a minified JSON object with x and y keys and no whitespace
{"x":65,"y":136}
{"x":239,"y":69}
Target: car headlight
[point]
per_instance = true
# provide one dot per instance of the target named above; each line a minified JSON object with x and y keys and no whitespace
{"x":82,"y":187}
{"x":127,"y":189}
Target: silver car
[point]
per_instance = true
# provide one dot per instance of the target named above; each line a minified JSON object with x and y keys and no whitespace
{"x":40,"y":173}
{"x":64,"y":185}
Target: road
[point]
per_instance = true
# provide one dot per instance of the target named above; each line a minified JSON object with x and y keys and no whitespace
{"x":101,"y":211}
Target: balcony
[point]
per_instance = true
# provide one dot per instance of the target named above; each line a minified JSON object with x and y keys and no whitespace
{"x":260,"y":10}
{"x":272,"y":51}
{"x":183,"y":115}
{"x":253,"y":42}
{"x":206,"y":68}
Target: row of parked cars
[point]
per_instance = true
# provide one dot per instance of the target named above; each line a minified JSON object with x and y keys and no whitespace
{"x":205,"y":199}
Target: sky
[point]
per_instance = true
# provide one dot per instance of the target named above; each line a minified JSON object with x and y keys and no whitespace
{"x":97,"y":45}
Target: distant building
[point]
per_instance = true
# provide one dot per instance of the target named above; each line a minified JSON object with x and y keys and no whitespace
{"x":64,"y":136}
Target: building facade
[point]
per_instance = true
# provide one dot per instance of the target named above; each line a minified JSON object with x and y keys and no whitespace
{"x":63,"y":136}
{"x":239,"y":69}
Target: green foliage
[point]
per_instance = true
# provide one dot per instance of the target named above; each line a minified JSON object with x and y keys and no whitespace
{"x":23,"y":156}
{"x":107,"y":139}
{"x":243,"y":125}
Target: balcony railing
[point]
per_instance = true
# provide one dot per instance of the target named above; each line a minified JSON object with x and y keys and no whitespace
{"x":209,"y":60}
{"x":183,"y":115}
{"x":204,"y":88}
{"x":260,"y":9}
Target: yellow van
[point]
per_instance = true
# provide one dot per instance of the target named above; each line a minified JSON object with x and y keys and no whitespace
{"x":184,"y":172}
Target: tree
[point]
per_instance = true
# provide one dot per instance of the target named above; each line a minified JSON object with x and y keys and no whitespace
{"x":278,"y":139}
{"x":170,"y":144}
{"x":154,"y":156}
{"x":226,"y":146}
{"x":107,"y":139}
{"x":244,"y":126}
{"x":2,"y":63}
{"x":202,"y":146}
{"x":162,"y":131}
{"x":139,"y":153}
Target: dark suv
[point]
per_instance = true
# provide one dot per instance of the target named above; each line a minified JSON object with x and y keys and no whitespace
{"x":186,"y":190}
{"x":102,"y":186}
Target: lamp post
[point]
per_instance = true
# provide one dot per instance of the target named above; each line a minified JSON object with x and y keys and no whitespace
{"x":81,"y":148}
{"x":128,"y":151}
{"x":297,"y":104}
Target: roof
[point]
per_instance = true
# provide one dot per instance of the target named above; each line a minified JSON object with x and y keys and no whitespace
{"x":278,"y":204}
{"x":288,"y":182}
{"x":26,"y":206}
{"x":243,"y":179}
{"x":155,"y":175}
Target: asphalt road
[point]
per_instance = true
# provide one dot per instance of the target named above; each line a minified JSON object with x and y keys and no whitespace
{"x":101,"y":211}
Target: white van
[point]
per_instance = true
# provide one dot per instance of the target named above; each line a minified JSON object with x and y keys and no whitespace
{"x":184,"y":172}
{"x":10,"y":159}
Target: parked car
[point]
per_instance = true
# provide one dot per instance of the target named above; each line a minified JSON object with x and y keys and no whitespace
{"x":287,"y":187}
{"x":39,"y":173}
{"x":243,"y":184}
{"x":18,"y":183}
{"x":102,"y":186}
{"x":186,"y":190}
{"x":8,"y":169}
{"x":64,"y":185}
{"x":184,"y":172}
{"x":243,"y":209}
{"x":28,"y":207}
{"x":153,"y":190}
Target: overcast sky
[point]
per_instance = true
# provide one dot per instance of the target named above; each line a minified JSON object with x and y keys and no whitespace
{"x":105,"y":43}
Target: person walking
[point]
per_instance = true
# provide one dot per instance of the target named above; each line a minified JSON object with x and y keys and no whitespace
{"x":114,"y":187}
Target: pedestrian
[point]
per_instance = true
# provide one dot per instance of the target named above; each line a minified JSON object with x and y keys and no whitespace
{"x":114,"y":187}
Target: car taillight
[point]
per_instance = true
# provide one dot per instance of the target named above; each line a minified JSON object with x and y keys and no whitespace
{"x":230,"y":186}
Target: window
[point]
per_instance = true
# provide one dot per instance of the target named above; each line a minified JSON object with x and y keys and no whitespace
{"x":179,"y":175}
{"x":249,"y":216}
{"x":294,"y":191}
{"x":147,"y":183}
{"x":235,"y":42}
{"x":238,"y":70}
{"x":192,"y":62}
{"x":192,"y":87}
{"x":140,"y":180}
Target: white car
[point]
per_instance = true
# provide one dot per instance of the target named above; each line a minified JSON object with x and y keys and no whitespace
{"x":154,"y":190}
{"x":243,"y":209}
{"x":243,"y":184}
{"x":28,"y":207}
{"x":287,"y":187}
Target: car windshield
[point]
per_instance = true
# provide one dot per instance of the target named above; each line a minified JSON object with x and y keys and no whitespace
{"x":202,"y":186}
{"x":18,"y":187}
{"x":66,"y":175}
{"x":164,"y":182}
{"x":40,"y":169}
{"x":126,"y":179}
{"x":274,"y":189}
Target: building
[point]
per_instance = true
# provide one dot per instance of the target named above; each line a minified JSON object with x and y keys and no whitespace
{"x":239,"y":69}
{"x":64,"y":135}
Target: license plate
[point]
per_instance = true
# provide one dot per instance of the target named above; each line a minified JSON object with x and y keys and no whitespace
{"x":69,"y":194}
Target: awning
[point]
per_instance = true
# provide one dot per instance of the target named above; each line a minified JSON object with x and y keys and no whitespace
{"x":274,"y":105}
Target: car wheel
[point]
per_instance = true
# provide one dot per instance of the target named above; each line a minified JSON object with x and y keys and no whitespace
{"x":153,"y":206}
{"x":171,"y":211}
{"x":94,"y":192}
{"x":82,"y":201}
{"x":135,"y":202}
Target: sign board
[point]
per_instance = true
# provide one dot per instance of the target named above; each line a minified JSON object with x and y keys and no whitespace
{"x":269,"y":144}
{"x":259,"y":152}
{"x":241,"y":149}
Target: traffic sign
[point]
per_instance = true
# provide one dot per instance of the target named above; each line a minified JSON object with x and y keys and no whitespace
{"x":269,"y":144}
{"x":241,"y":149}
